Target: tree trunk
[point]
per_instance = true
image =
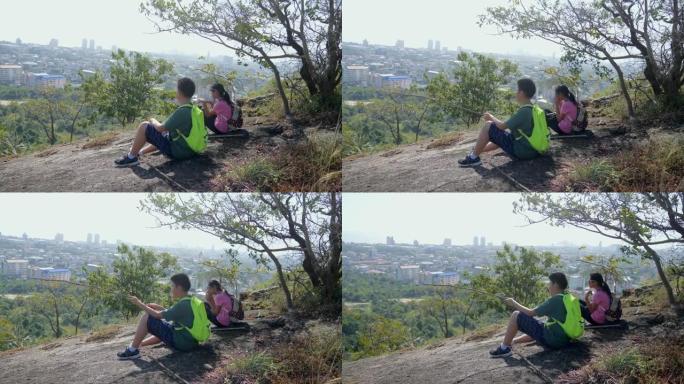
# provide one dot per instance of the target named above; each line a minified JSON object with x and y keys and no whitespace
{"x":623,"y":87}
{"x":281,"y":89}
{"x":661,"y":273}
{"x":283,"y":281}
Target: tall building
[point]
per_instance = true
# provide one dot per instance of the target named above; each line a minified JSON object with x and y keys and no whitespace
{"x":416,"y":243}
{"x":96,"y":239}
{"x":89,"y":238}
{"x":84,"y":44}
{"x":475,"y":241}
{"x":390,"y":240}
{"x":11,"y":74}
{"x":18,"y":41}
{"x":59,"y":237}
{"x":482,"y":242}
{"x":431,"y":45}
{"x":92,"y":45}
{"x":438,"y":45}
{"x":400,"y":44}
{"x":447,"y":242}
{"x":54,"y":43}
{"x":365,"y":42}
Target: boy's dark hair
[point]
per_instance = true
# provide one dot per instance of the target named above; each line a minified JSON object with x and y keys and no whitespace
{"x":186,"y":87}
{"x":559,"y":279}
{"x":527,"y":87}
{"x":181,"y":280}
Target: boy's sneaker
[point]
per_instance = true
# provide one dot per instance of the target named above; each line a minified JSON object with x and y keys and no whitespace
{"x":126,"y":161}
{"x":501,"y":352}
{"x":470,"y":161}
{"x":127,"y":354}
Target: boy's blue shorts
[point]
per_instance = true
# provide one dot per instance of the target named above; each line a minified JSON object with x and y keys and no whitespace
{"x":531,"y":327}
{"x":162,"y":329}
{"x":159,"y":140}
{"x":503,"y":139}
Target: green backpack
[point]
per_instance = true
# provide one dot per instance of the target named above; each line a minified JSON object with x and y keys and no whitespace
{"x":541,"y":136}
{"x":574,"y":323}
{"x":201,"y":327}
{"x":198,"y":137}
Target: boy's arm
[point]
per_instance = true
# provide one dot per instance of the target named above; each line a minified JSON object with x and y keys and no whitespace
{"x":499,"y":124}
{"x":150,"y":311}
{"x":157,"y":125}
{"x":519,"y":307}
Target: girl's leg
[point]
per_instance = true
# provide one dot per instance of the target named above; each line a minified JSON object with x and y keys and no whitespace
{"x":210,"y":122}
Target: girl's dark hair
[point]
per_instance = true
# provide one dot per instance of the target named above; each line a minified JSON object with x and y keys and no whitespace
{"x":597,"y":277}
{"x":215,"y":284}
{"x":222,"y":94}
{"x":565,"y":91}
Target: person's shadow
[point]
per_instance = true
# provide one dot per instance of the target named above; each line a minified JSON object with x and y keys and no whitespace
{"x":535,"y":174}
{"x":194,"y":174}
{"x":190,"y":366}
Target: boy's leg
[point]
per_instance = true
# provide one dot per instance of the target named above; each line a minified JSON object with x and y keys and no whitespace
{"x":149,"y":148}
{"x":490,"y":147}
{"x":140,"y":332}
{"x":140,"y":139}
{"x":482,"y":139}
{"x":152,"y":340}
{"x":512,"y":329}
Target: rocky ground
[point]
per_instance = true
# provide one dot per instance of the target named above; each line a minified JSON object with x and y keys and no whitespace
{"x":88,"y":165}
{"x":430,"y":167}
{"x":91,"y":358}
{"x":466,"y":360}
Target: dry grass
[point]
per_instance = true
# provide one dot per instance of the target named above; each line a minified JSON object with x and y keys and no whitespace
{"x":101,"y":141}
{"x":103,"y":334}
{"x":447,"y":140}
{"x":309,"y":358}
{"x":47,"y":153}
{"x":311,"y":165}
{"x":656,"y":362}
{"x":654,"y":166}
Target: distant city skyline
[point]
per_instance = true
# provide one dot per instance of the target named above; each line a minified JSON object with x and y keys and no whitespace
{"x":454,"y":24}
{"x":108,"y":23}
{"x":112,"y":216}
{"x":431,"y":218}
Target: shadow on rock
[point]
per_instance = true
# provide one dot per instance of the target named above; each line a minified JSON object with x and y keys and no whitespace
{"x":192,"y":174}
{"x":535,"y":174}
{"x":191,"y":366}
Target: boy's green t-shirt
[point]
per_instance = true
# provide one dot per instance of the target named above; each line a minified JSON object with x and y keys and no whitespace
{"x":181,"y":314}
{"x":180,"y":121}
{"x":553,"y":308}
{"x":522,"y":121}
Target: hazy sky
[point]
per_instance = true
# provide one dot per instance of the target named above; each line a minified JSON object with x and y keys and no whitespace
{"x":430,"y":218}
{"x":113,"y":216}
{"x":107,"y":22}
{"x":454,"y":23}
